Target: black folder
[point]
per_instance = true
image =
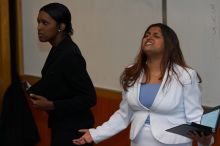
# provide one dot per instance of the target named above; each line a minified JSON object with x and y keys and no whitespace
{"x":209,"y":123}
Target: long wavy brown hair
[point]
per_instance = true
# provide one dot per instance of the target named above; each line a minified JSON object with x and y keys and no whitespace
{"x":172,"y":55}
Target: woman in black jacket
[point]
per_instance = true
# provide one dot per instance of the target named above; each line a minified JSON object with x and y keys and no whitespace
{"x":65,"y":90}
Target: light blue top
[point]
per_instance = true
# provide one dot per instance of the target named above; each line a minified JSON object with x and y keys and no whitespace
{"x":147,"y":95}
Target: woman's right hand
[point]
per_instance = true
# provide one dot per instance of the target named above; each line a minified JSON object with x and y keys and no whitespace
{"x":41,"y":102}
{"x":86,"y":138}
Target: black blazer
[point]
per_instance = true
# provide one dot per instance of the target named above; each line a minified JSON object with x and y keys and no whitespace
{"x":66,"y":82}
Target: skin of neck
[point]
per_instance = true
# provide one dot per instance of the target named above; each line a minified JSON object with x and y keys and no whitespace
{"x":59,"y":38}
{"x":154,"y":65}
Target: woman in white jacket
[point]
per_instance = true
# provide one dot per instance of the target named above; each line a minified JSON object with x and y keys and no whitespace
{"x":160,"y":92}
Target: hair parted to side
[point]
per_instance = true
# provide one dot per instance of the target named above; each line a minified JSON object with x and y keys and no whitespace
{"x":61,"y":14}
{"x":172,"y":55}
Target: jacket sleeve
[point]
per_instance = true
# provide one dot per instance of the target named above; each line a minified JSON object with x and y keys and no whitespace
{"x":80,"y":86}
{"x":117,"y":122}
{"x":192,"y":98}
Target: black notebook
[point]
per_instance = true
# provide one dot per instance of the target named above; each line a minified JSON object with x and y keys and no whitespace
{"x":209,"y":124}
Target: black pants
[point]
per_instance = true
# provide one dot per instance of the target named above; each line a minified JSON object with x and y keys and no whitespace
{"x":64,"y":137}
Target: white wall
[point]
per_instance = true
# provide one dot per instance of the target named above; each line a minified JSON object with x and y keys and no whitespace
{"x":197,"y":23}
{"x":108,"y":33}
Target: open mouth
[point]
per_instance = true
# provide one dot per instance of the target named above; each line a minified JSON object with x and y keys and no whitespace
{"x":148,"y":43}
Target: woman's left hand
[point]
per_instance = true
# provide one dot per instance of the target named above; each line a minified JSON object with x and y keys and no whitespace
{"x":201,"y":138}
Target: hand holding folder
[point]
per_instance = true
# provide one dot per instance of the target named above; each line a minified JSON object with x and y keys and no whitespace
{"x":209,"y":124}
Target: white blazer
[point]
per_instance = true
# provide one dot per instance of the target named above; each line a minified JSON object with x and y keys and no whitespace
{"x":174,"y":104}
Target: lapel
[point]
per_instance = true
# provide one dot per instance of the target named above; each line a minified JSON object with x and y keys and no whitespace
{"x":54,"y":54}
{"x":133,"y":96}
{"x":51,"y":56}
{"x":161,"y":93}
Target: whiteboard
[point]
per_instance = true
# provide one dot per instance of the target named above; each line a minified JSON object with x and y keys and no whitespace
{"x":108,"y":33}
{"x":197,"y":24}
